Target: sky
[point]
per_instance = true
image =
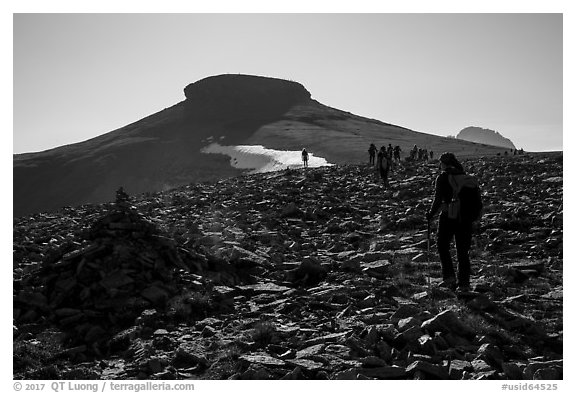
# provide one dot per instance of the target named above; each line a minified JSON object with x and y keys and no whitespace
{"x":77,"y":76}
{"x":73,"y":77}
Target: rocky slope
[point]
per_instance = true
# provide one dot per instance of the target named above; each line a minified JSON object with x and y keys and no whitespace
{"x":299,"y":274}
{"x":485,"y":136}
{"x":163,"y":150}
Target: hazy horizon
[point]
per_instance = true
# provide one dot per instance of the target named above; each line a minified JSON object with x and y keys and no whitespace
{"x":78,"y":76}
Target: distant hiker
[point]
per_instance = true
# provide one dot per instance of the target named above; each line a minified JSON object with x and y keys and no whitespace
{"x":121,"y":195}
{"x":383,"y":165}
{"x":457,"y":196}
{"x":413,"y":153}
{"x":420,"y":154}
{"x":397,"y":151}
{"x":431,"y":155}
{"x":390,"y":151}
{"x":305,"y":157}
{"x":372,"y":153}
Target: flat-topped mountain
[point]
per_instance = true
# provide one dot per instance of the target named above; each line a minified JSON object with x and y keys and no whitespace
{"x":164,"y":150}
{"x":485,"y":135}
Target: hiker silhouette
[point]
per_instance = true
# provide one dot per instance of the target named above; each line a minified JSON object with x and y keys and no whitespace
{"x":121,"y":195}
{"x":383,"y":165}
{"x":397,"y":151}
{"x":449,"y":228}
{"x":372,"y":153}
{"x":413,"y":153}
{"x":305,"y":157}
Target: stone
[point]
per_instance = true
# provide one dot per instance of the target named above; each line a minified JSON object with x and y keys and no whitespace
{"x":532,"y":367}
{"x":491,"y":354}
{"x":480,"y":366}
{"x":310,"y":351}
{"x":376,"y":269}
{"x":329,"y":338}
{"x":407,"y":323}
{"x":427,"y":368}
{"x":191,"y":354}
{"x":409,"y":335}
{"x":422,"y":257}
{"x":308,"y":273}
{"x":155,"y":295}
{"x":512,"y":370}
{"x":268,"y":287}
{"x":351,"y":265}
{"x":426,"y":345}
{"x":373,"y":361}
{"x":295,"y":374}
{"x":96,"y":333}
{"x":256,"y":372}
{"x":350,"y":374}
{"x":305,"y":364}
{"x":291,"y":210}
{"x":458,"y":368}
{"x":209,"y":331}
{"x":341,"y":351}
{"x":405,"y":311}
{"x":481,"y":302}
{"x":548,"y":373}
{"x":447,"y":321}
{"x":386,"y":372}
{"x":263,"y":360}
{"x":155,"y":365}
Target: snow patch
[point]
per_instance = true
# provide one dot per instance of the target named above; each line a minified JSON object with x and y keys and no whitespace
{"x":260,"y":159}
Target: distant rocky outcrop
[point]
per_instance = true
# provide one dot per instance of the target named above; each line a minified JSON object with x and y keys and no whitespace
{"x":486,"y":136}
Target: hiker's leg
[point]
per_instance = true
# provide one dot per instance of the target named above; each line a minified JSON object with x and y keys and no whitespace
{"x":445,"y":234}
{"x":463,"y":243}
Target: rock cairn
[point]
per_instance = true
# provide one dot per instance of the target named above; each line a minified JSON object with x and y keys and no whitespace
{"x":125,"y":266}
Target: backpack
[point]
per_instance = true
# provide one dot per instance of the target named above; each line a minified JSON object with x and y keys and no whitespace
{"x":384,"y":163}
{"x":466,"y":203}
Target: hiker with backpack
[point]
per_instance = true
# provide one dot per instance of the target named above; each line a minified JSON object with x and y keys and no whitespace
{"x":413,"y":153}
{"x":390,"y":151}
{"x":305,"y":157}
{"x":383,"y":165}
{"x":397,"y":151}
{"x":457,"y":196}
{"x":372,"y":153}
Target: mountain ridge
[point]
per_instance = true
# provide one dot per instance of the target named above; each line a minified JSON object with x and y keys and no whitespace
{"x":163,"y":150}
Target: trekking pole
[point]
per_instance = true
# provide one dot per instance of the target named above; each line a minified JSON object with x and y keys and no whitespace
{"x":428,"y":242}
